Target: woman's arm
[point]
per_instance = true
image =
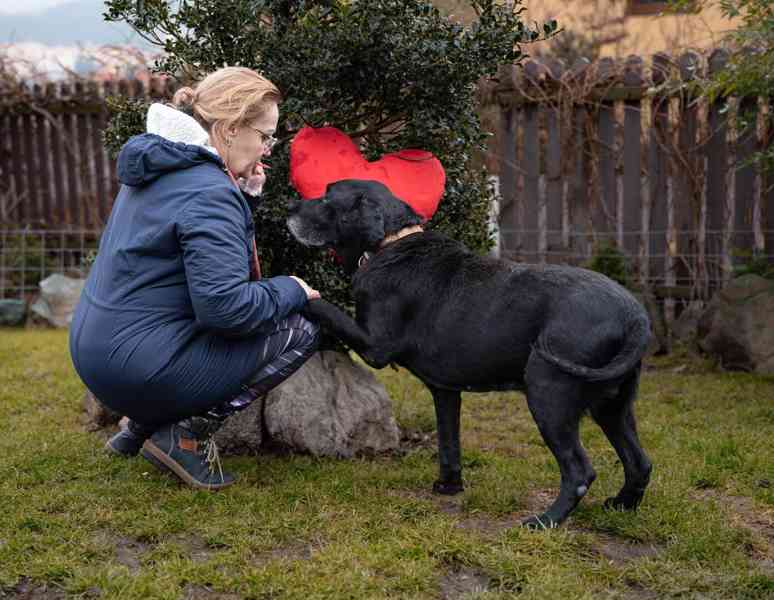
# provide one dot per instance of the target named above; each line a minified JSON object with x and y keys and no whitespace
{"x":212,"y":234}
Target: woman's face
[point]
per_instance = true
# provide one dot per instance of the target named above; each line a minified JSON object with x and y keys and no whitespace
{"x":249,"y":142}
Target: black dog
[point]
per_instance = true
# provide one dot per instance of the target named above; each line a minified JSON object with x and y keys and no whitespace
{"x":571,"y":338}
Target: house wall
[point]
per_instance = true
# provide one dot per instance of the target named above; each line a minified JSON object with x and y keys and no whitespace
{"x":642,"y":34}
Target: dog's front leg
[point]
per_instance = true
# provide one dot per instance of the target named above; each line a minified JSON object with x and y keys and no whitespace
{"x":447,"y":415}
{"x":344,"y":327}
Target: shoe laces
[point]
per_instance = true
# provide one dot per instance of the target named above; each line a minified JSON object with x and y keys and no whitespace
{"x":213,"y":457}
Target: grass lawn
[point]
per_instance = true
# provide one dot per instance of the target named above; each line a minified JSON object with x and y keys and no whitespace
{"x":75,"y":521}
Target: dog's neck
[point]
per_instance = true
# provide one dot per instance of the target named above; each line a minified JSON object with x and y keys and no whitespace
{"x":393,"y":237}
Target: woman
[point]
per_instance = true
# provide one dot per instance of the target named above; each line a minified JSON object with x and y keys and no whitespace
{"x":175,"y":328}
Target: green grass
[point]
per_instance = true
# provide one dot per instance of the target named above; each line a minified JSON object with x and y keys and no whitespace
{"x":75,"y":521}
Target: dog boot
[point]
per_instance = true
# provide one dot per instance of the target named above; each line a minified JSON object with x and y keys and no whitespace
{"x":128,"y":441}
{"x":188,"y":450}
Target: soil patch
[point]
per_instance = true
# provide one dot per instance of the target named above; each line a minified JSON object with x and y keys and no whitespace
{"x":27,"y":589}
{"x":293,"y":551}
{"x":746,"y":514}
{"x":411,"y":439}
{"x":200,"y":592}
{"x":128,"y":551}
{"x":488,"y":527}
{"x":197,"y":549}
{"x":635,"y":591}
{"x":461,"y":581}
{"x":620,"y":551}
{"x":450,"y":505}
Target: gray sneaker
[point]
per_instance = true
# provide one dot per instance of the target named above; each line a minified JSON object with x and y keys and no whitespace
{"x":128,"y":441}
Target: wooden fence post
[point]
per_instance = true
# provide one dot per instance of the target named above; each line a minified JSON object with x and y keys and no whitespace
{"x":553,"y":172}
{"x":743,"y":239}
{"x":658,"y":170}
{"x":532,"y":201}
{"x":606,"y":204}
{"x":687,"y":176}
{"x":632,"y":150}
{"x":718,"y":209}
{"x":579,"y":208}
{"x":510,"y":234}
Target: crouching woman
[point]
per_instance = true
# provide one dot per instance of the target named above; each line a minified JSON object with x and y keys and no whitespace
{"x":176,"y":328}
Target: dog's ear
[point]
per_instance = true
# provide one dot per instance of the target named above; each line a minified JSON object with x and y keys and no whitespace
{"x":370,"y":220}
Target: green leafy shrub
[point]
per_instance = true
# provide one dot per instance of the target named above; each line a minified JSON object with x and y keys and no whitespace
{"x":610,"y":261}
{"x":753,"y":263}
{"x":391,"y":73}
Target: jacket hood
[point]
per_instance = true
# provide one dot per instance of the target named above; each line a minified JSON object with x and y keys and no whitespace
{"x":174,"y":141}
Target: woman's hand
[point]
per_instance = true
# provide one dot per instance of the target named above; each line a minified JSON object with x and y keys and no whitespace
{"x":252,"y":183}
{"x":310,"y":293}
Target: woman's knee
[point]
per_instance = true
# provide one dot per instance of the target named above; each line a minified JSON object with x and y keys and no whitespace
{"x":309,"y":338}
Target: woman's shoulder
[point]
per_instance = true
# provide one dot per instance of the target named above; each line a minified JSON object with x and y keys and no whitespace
{"x":210,"y":191}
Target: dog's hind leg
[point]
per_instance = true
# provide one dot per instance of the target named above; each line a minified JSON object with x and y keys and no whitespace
{"x":555,"y":400}
{"x":447,"y":415}
{"x":616,"y":418}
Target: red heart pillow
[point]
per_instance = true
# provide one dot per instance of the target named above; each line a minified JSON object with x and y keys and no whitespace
{"x":326,"y":155}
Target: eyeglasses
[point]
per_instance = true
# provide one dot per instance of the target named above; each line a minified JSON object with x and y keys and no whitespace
{"x":268,"y":140}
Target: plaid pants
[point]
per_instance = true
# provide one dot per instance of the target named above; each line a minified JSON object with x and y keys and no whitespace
{"x":288,"y":345}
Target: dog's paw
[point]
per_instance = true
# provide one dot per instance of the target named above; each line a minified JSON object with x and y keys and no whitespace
{"x":539,"y":522}
{"x":623,"y":502}
{"x":448,"y":488}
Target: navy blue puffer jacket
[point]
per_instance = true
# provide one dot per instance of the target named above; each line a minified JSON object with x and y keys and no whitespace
{"x":168,"y":316}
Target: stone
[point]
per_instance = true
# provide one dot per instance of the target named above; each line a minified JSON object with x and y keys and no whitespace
{"x":738,"y":325}
{"x":98,"y":413}
{"x":12,"y":312}
{"x":331,"y":406}
{"x":58,"y":298}
{"x":685,"y":326}
{"x":242,"y":433}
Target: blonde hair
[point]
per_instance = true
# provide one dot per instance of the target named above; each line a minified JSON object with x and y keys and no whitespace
{"x":227,"y":97}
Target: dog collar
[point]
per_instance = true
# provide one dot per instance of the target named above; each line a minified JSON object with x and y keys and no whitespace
{"x":366,"y":256}
{"x":402,"y":233}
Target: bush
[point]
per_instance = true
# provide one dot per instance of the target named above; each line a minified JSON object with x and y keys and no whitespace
{"x":610,"y":261}
{"x":753,"y":263}
{"x":391,"y":73}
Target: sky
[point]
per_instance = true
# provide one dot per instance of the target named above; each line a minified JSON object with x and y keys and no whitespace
{"x":60,"y":22}
{"x":14,"y":7}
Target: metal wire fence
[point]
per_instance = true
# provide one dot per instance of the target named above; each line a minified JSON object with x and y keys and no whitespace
{"x":28,"y":256}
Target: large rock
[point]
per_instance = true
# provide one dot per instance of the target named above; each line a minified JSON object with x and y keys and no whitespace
{"x":331,"y":407}
{"x":99,"y":414}
{"x":686,"y":325}
{"x":242,"y":433}
{"x":12,"y":312}
{"x":738,"y":325}
{"x":58,"y":298}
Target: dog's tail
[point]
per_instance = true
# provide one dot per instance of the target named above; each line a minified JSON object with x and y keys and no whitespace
{"x":634,"y":348}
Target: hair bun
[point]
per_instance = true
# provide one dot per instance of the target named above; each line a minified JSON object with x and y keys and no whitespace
{"x":184,"y":97}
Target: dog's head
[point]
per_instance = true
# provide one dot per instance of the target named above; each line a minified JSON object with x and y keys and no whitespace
{"x":354,"y":216}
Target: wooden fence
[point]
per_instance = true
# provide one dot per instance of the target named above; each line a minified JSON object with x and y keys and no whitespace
{"x":630,"y":155}
{"x":610,"y":151}
{"x":54,"y":170}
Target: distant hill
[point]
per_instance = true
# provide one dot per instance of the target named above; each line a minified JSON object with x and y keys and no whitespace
{"x":78,"y":21}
